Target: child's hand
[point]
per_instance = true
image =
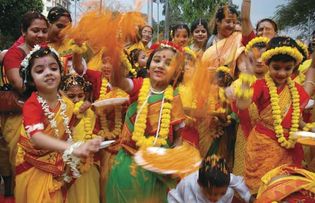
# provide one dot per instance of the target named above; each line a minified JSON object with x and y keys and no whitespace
{"x":91,"y":146}
{"x":85,"y":106}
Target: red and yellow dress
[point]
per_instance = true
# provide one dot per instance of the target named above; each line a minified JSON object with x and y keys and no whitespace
{"x":263,"y":152}
{"x":38,"y":171}
{"x":127,"y":182}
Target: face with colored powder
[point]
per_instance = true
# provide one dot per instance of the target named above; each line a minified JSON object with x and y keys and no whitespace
{"x":160,"y":67}
{"x":75,"y":93}
{"x":181,"y":37}
{"x":227,"y":25}
{"x":107,"y":66}
{"x":259,"y":67}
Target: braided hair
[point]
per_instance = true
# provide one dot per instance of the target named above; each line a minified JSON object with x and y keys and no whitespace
{"x":213,"y":172}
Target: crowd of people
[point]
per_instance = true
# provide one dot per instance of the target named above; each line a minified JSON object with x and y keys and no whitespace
{"x":235,"y":93}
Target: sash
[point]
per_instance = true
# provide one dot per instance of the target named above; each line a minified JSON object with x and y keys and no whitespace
{"x":46,"y":160}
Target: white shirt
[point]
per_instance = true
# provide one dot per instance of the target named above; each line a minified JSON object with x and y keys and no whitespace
{"x":188,"y":190}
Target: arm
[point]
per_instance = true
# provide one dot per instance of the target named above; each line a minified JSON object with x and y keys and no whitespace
{"x":310,"y":76}
{"x":44,"y":141}
{"x":15,"y":79}
{"x":118,"y":79}
{"x":247,"y":26}
{"x":77,"y":62}
{"x":238,"y":184}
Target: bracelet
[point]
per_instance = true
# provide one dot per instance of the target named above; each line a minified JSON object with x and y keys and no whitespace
{"x":72,"y":161}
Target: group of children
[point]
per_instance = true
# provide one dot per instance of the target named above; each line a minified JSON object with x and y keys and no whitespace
{"x":58,"y":154}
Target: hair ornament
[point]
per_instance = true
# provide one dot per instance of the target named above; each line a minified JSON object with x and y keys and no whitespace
{"x":254,"y":41}
{"x":285,"y":50}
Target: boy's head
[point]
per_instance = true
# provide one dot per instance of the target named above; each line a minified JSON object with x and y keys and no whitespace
{"x":281,"y":56}
{"x":214,"y":177}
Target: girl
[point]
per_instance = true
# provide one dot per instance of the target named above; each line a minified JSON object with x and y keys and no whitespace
{"x":138,"y":61}
{"x":279,"y":101}
{"x":45,"y":144}
{"x":180,"y":35}
{"x":144,"y":37}
{"x":86,"y":188}
{"x":212,"y":183}
{"x":200,"y":34}
{"x":153,"y":119}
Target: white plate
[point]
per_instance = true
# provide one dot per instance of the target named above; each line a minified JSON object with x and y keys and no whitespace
{"x":111,"y":101}
{"x":105,"y":144}
{"x":304,"y":134}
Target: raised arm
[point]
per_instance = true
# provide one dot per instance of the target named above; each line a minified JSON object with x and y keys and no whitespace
{"x":118,"y":78}
{"x":247,"y":26}
{"x":309,"y":83}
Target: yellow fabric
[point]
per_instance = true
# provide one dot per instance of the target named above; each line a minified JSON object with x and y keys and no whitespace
{"x":35,"y":185}
{"x":138,"y":45}
{"x":224,"y":52}
{"x":240,"y":146}
{"x":96,"y":63}
{"x":11,"y":129}
{"x":86,"y":188}
{"x":261,"y":155}
{"x":283,"y":181}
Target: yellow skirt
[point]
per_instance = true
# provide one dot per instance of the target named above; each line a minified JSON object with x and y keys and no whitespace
{"x":261,"y":155}
{"x":86,"y":188}
{"x":35,"y":185}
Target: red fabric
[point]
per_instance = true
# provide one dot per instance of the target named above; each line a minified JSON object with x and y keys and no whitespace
{"x":190,"y":135}
{"x":137,"y":84}
{"x":248,"y":38}
{"x":19,"y":41}
{"x":261,"y":98}
{"x":94,"y":77}
{"x":244,"y":119}
{"x":13,"y":58}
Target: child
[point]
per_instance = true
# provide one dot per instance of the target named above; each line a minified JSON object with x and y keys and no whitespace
{"x":212,"y":183}
{"x":180,"y":35}
{"x":138,"y":60}
{"x":45,"y":144}
{"x":279,"y":101}
{"x":86,"y":188}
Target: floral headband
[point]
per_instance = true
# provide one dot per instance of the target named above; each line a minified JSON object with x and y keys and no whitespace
{"x":256,"y":40}
{"x":286,"y":50}
{"x":26,"y":60}
{"x":303,"y":47}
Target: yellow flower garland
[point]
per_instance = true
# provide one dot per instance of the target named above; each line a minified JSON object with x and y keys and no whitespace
{"x":309,"y":126}
{"x":303,"y":46}
{"x":239,"y":91}
{"x":276,"y":112}
{"x":254,"y":41}
{"x":224,"y":69}
{"x":293,"y":52}
{"x":127,"y":63}
{"x":105,"y":132}
{"x":138,"y":134}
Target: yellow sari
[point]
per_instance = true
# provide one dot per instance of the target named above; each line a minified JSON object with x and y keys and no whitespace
{"x":38,"y":171}
{"x":87,"y":187}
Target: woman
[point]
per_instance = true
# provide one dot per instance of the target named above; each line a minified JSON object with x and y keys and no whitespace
{"x":127,"y":182}
{"x":264,"y":28}
{"x":225,"y":49}
{"x":34,"y":29}
{"x":144,"y":38}
{"x":200,"y":34}
{"x":69,"y":50}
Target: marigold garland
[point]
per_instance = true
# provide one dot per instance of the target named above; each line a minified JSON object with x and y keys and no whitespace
{"x":240,"y":92}
{"x":287,"y":50}
{"x":254,"y":41}
{"x":276,"y":112}
{"x":127,"y":63}
{"x":224,"y":69}
{"x":309,"y":126}
{"x":161,"y":136}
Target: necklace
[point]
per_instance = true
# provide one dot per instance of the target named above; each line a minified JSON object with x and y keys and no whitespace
{"x":51,"y":116}
{"x":277,"y":115}
{"x":164,"y":119}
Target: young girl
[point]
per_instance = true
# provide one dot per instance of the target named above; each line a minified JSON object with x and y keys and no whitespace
{"x":138,"y":61}
{"x":212,"y":183}
{"x":154,"y":118}
{"x":200,"y":34}
{"x":45,"y":144}
{"x":279,"y":101}
{"x":180,"y":35}
{"x":86,"y":188}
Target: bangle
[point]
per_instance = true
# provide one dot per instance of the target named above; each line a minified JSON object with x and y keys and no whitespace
{"x":72,"y":161}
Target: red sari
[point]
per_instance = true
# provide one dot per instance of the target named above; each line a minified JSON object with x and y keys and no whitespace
{"x":263,"y":152}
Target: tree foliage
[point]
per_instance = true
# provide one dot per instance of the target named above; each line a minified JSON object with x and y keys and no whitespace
{"x":296,"y":13}
{"x":190,"y":10}
{"x":11,"y":12}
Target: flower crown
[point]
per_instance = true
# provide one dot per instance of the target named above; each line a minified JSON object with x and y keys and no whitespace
{"x":26,"y":60}
{"x":224,"y":69}
{"x":190,"y":52}
{"x":286,"y":50}
{"x":254,"y":41}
